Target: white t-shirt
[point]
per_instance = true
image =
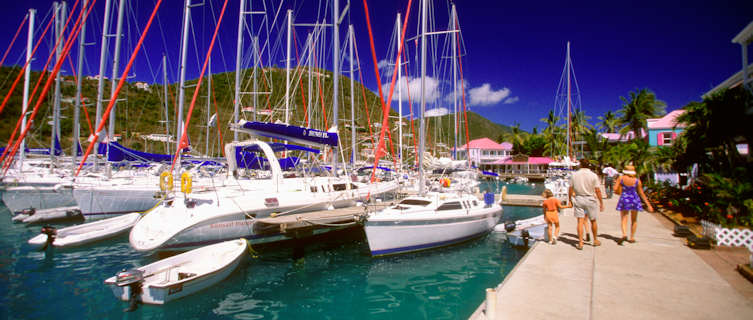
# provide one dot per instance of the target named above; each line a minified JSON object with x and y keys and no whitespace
{"x":609,"y":171}
{"x":584,"y":182}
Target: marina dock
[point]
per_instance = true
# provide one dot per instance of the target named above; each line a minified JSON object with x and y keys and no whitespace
{"x":520,"y":200}
{"x":658,"y":277}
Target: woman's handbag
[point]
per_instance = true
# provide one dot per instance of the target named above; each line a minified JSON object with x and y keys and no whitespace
{"x":617,"y":188}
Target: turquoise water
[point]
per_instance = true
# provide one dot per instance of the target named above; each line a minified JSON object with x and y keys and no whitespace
{"x":336,"y":279}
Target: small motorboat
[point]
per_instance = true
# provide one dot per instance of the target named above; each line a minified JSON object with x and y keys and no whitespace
{"x":31,"y":216}
{"x":523,"y":233}
{"x":178,"y":276}
{"x":84,"y":233}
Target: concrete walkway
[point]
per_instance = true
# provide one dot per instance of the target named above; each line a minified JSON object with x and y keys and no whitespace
{"x":658,"y":277}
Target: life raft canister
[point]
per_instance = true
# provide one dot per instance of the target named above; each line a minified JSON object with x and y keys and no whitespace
{"x":185,"y":182}
{"x":166,"y":181}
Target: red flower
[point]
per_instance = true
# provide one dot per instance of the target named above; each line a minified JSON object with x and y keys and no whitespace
{"x":729,"y":216}
{"x":706,"y":204}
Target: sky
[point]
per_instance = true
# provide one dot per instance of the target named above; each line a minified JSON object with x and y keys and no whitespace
{"x":513,"y":51}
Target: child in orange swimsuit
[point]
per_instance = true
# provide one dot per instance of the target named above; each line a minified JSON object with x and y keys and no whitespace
{"x":551,"y":214}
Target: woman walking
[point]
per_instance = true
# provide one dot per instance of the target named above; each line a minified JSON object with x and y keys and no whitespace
{"x":630,"y":189}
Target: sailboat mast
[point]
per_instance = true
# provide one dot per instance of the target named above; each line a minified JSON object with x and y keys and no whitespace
{"x":59,"y":18}
{"x":354,"y":148}
{"x":238,"y":52}
{"x":209,"y":100}
{"x":254,"y":74}
{"x":101,"y":74}
{"x":113,"y":82}
{"x":167,"y":114}
{"x":77,"y":99}
{"x":569,"y":101}
{"x":311,"y":79}
{"x":181,"y":89}
{"x":454,"y":83}
{"x":422,"y":134}
{"x":287,"y":67}
{"x":400,"y":96}
{"x":27,"y":78}
{"x":336,"y":73}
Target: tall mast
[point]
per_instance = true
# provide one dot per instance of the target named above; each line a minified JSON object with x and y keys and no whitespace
{"x":209,"y":100}
{"x":336,"y":73}
{"x":60,"y":8}
{"x":113,"y":83}
{"x":454,"y":84}
{"x":354,"y":147}
{"x":238,"y":53}
{"x":181,"y":89}
{"x":400,"y":95}
{"x":167,"y":114}
{"x":255,"y":47}
{"x":569,"y":141}
{"x":77,"y":99}
{"x":101,"y":74}
{"x":27,"y":77}
{"x":310,"y":43}
{"x":422,"y":134}
{"x":287,"y":67}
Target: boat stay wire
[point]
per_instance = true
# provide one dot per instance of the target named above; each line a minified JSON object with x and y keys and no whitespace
{"x":18,"y":31}
{"x":184,"y":136}
{"x":114,"y":96}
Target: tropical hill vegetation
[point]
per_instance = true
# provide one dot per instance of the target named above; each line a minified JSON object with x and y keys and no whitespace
{"x":141,"y":112}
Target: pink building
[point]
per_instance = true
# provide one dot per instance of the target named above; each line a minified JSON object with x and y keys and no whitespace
{"x":484,"y":151}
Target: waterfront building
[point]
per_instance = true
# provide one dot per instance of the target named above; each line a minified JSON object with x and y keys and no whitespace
{"x":484,"y":151}
{"x":664,"y":131}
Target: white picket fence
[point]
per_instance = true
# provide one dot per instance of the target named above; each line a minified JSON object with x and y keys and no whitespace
{"x":727,"y":236}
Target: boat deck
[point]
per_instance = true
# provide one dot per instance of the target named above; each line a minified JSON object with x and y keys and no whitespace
{"x":335,"y":218}
{"x":658,"y":277}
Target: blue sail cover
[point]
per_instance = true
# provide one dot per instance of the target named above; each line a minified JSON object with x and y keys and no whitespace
{"x":120,"y":153}
{"x":43,"y":151}
{"x":291,"y":133}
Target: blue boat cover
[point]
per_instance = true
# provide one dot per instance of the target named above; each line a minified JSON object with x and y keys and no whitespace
{"x":291,"y":133}
{"x":120,"y":153}
{"x":488,"y":173}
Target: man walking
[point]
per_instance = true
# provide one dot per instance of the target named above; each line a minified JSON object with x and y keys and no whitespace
{"x":585,"y":196}
{"x":609,"y":175}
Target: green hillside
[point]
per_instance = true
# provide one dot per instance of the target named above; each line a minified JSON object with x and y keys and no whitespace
{"x":141,"y":112}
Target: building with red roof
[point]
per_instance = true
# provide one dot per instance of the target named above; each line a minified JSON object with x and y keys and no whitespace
{"x":483,"y":151}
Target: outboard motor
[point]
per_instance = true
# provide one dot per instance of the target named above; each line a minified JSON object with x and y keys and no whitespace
{"x":29,"y":211}
{"x":525,"y":235}
{"x":51,"y":233}
{"x":133,"y":279}
{"x":510,"y":226}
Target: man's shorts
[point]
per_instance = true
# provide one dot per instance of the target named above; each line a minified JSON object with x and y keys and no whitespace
{"x":583,"y":205}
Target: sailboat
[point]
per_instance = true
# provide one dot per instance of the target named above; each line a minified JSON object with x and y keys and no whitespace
{"x":433,"y":219}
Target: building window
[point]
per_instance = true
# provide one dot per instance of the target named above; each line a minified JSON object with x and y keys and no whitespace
{"x":666,"y":138}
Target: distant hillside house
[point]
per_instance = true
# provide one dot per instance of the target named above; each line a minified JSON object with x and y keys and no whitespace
{"x":617,"y":137}
{"x":142,"y":85}
{"x":483,"y":151}
{"x":95,"y":77}
{"x":663,"y":131}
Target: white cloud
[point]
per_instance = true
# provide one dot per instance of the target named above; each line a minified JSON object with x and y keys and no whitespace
{"x":511,"y":100}
{"x":413,"y":87}
{"x":485,"y":96}
{"x":436,"y":112}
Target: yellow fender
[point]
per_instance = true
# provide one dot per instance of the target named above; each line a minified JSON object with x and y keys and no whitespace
{"x":166,"y":181}
{"x":185,"y":182}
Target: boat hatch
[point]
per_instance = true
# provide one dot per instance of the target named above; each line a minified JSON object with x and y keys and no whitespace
{"x":415,"y":202}
{"x":452,"y":205}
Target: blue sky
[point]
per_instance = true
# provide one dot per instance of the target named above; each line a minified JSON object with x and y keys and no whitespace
{"x":514,"y":50}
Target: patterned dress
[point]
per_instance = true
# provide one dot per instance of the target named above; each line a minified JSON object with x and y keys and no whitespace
{"x":629,"y":199}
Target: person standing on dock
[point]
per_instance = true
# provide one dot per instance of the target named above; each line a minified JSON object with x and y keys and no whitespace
{"x":584,"y":194}
{"x":630,"y":189}
{"x":609,"y":175}
{"x":552,"y":208}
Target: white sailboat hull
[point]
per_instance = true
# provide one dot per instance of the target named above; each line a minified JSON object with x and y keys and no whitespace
{"x":38,"y":197}
{"x":108,"y":201}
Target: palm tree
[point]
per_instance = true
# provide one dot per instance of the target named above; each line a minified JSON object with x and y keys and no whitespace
{"x":641,"y":106}
{"x":609,"y":122}
{"x":579,"y":124}
{"x":550,"y":132}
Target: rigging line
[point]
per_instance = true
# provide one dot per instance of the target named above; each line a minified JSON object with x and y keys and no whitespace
{"x":132,"y":14}
{"x":58,"y":64}
{"x":75,"y":79}
{"x":122,"y":80}
{"x":26,"y":65}
{"x":18,"y":31}
{"x":319,"y":87}
{"x":217,"y":122}
{"x":222,"y":52}
{"x":183,"y":139}
{"x":385,"y":106}
{"x":363,"y":93}
{"x":18,"y":78}
{"x":410,"y":110}
{"x":300,"y":79}
{"x":465,"y":110}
